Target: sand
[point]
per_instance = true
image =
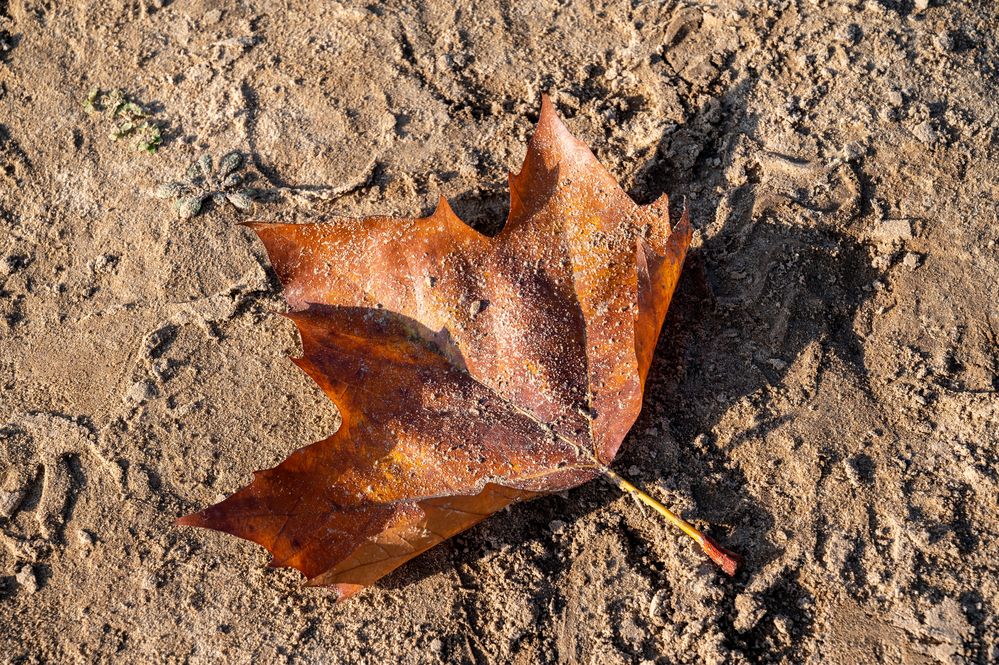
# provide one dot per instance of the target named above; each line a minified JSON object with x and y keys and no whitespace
{"x":823,"y":399}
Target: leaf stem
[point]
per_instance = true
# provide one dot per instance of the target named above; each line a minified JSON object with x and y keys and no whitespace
{"x":728,"y":561}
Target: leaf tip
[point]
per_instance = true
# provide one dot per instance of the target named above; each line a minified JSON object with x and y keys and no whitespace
{"x":194,"y":519}
{"x":343,"y":590}
{"x":549,"y":116}
{"x":683,"y":229}
{"x":254,"y":226}
{"x":443,"y":208}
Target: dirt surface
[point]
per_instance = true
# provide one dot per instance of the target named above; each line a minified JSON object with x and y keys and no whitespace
{"x":824,"y":398}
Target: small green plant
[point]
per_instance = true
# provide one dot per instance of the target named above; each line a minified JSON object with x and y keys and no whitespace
{"x":129,"y":119}
{"x":203,"y":182}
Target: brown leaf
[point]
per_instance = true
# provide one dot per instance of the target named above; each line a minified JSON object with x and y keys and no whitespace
{"x":471,"y":372}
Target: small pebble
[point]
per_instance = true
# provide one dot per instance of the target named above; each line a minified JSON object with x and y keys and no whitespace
{"x":147,"y":581}
{"x":881,"y":262}
{"x":783,"y":625}
{"x":556,"y":526}
{"x":944,"y":42}
{"x":211,"y":17}
{"x":925,"y":133}
{"x":853,"y":151}
{"x":141,"y":391}
{"x":105,"y":263}
{"x":26,"y":578}
{"x":892,"y":230}
{"x":85,"y":538}
{"x":9,"y":500}
{"x":656,"y":604}
{"x":911,"y":260}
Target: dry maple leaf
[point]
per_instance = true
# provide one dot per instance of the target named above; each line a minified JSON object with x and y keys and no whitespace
{"x":471,"y":372}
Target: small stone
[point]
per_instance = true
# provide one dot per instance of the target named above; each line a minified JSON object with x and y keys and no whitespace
{"x":9,"y":501}
{"x":147,"y":581}
{"x":211,"y":17}
{"x":921,"y":5}
{"x":783,"y":625}
{"x":141,"y":391}
{"x":656,"y":604}
{"x":556,"y":526}
{"x":853,"y":151}
{"x":925,"y":132}
{"x":944,"y":42}
{"x":895,"y":99}
{"x":475,"y":307}
{"x":436,"y":646}
{"x":85,"y":538}
{"x":892,"y":230}
{"x":911,"y":260}
{"x":105,"y":263}
{"x":26,"y":578}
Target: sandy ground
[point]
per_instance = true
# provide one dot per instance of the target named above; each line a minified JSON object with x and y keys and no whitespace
{"x":824,"y":398}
